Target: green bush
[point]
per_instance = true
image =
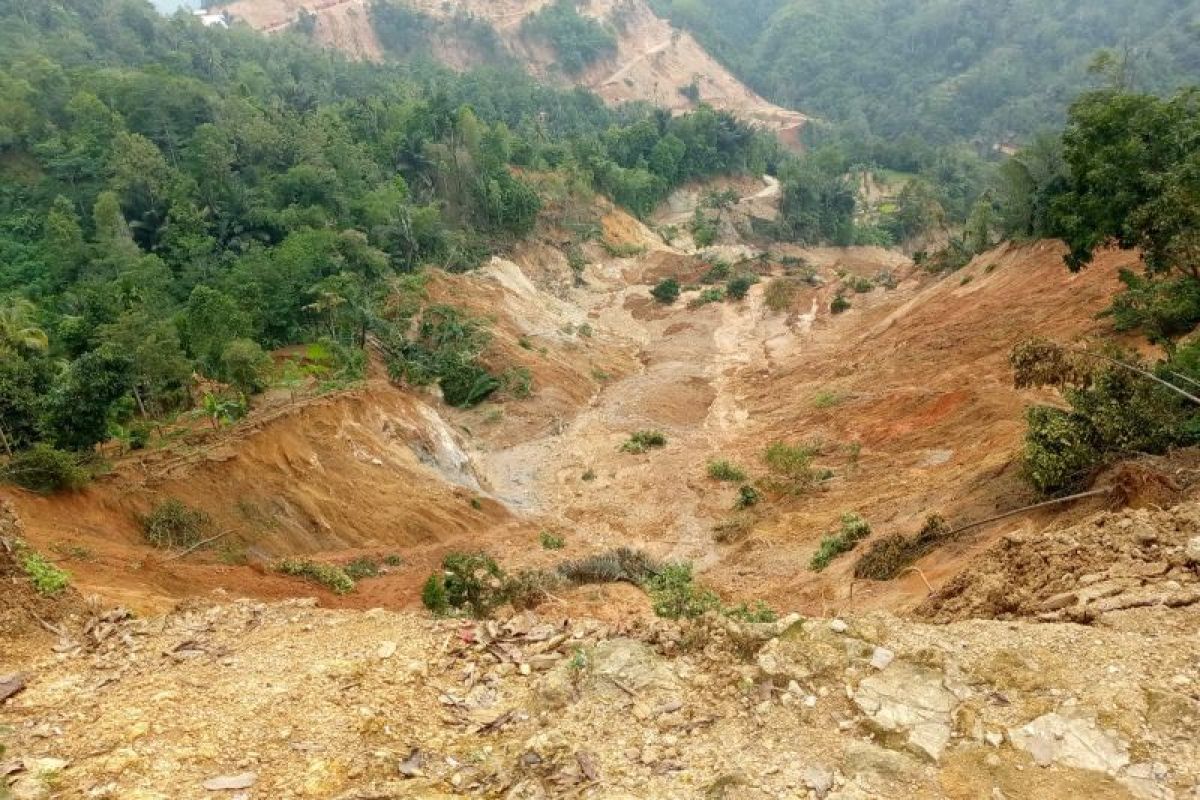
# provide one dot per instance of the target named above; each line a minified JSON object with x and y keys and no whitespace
{"x":666,"y":292}
{"x":643,"y":441}
{"x":473,"y":583}
{"x":725,"y":471}
{"x":47,"y":579}
{"x":330,"y":576}
{"x":361,"y":568}
{"x":739,"y":287}
{"x":675,"y":594}
{"x":1061,"y":449}
{"x":714,"y":294}
{"x":551,"y":541}
{"x":748,"y":497}
{"x":44,"y":469}
{"x":854,"y":529}
{"x":840,"y":305}
{"x":577,"y":40}
{"x":791,"y":461}
{"x":756,"y":612}
{"x":433,"y":595}
{"x":171,"y":523}
{"x":780,"y":294}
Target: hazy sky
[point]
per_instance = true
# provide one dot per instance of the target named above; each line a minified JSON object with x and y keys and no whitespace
{"x":167,"y":6}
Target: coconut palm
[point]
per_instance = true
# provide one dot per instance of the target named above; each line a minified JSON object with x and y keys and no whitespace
{"x":19,"y":331}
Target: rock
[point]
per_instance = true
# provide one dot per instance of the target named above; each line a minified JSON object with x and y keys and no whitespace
{"x":386,"y":650}
{"x":10,"y":685}
{"x":913,"y":701}
{"x":1192,"y":550}
{"x":1060,"y":601}
{"x":1147,"y":781}
{"x":616,"y":666}
{"x":819,"y":779}
{"x":230,"y":783}
{"x":1070,"y":741}
{"x":838,"y":626}
{"x":879,"y":767}
{"x":881,"y":658}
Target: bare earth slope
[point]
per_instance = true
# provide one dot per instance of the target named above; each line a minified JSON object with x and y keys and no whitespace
{"x":653,"y":61}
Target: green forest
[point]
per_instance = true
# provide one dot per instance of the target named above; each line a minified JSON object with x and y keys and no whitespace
{"x":943,"y":70}
{"x":176,"y":199}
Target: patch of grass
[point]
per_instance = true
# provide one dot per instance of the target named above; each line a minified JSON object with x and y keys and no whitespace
{"x":518,"y":382}
{"x":792,"y":461}
{"x":734,"y":529}
{"x":827,"y":399}
{"x":714,"y":294}
{"x":890,"y":556}
{"x":990,"y":268}
{"x":756,"y":612}
{"x":584,"y":330}
{"x":551,"y":541}
{"x":780,"y":294}
{"x":854,"y":529}
{"x":393,"y":560}
{"x":719,"y":272}
{"x":73,"y":552}
{"x":966,"y":279}
{"x":859,"y":284}
{"x":524,"y":343}
{"x":172,"y":523}
{"x":330,"y":576}
{"x":623,"y":250}
{"x":644,"y":441}
{"x":47,"y":579}
{"x":361,"y":568}
{"x":589,"y":475}
{"x":840,"y":305}
{"x":601,"y":376}
{"x":725,"y":471}
{"x":476,"y":504}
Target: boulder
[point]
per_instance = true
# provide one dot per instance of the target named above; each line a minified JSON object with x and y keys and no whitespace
{"x":1071,"y":741}
{"x":912,"y":701}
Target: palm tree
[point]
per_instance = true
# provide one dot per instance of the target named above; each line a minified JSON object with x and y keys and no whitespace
{"x":19,"y":331}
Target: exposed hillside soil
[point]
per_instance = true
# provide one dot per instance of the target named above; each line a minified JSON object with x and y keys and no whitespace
{"x":653,"y":61}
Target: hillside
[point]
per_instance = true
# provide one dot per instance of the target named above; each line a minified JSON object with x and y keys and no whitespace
{"x":652,"y":62}
{"x":943,"y":70}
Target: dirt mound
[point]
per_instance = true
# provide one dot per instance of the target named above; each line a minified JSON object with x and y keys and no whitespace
{"x":389,"y":705}
{"x":1111,"y":563}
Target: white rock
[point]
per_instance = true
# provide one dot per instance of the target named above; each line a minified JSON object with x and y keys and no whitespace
{"x":819,"y":779}
{"x":913,"y":700}
{"x":1192,"y":551}
{"x":1071,"y":741}
{"x":838,"y":626}
{"x":882,"y":658}
{"x":386,"y":650}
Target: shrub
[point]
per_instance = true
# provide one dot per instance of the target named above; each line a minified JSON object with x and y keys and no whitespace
{"x":748,"y":497}
{"x":859,"y":284}
{"x":854,"y":530}
{"x":623,"y":250}
{"x":643,"y":441}
{"x":433,"y":595}
{"x":666,"y":292}
{"x":44,"y":469}
{"x":739,"y":287}
{"x":518,"y":382}
{"x":675,"y":594}
{"x":733,"y":530}
{"x":1061,"y":449}
{"x":473,"y":583}
{"x":719,"y":272}
{"x":361,"y":568}
{"x":840,"y":305}
{"x":890,"y":556}
{"x":245,"y":365}
{"x":330,"y":576}
{"x":530,"y":588}
{"x":47,"y":579}
{"x":725,"y":471}
{"x":171,"y":523}
{"x":623,"y":565}
{"x":552,"y":542}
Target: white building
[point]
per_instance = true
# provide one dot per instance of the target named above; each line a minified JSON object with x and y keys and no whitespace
{"x":209,"y":19}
